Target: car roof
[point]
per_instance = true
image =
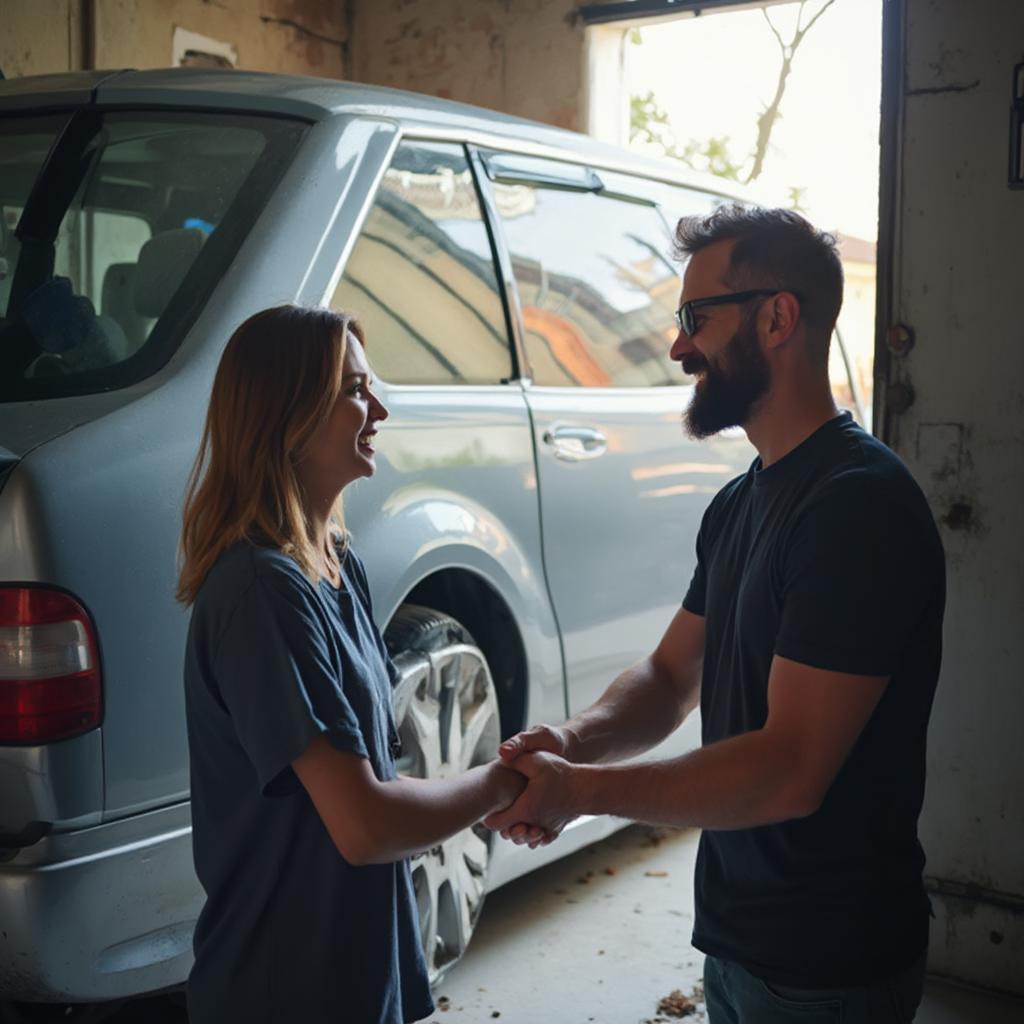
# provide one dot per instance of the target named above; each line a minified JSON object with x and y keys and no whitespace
{"x":317,"y":99}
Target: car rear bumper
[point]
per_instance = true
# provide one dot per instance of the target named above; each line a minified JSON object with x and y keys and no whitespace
{"x":100,"y":913}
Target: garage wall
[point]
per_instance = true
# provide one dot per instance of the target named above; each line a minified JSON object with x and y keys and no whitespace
{"x":956,"y":280}
{"x":288,"y":36}
{"x":38,"y":39}
{"x":525,"y":58}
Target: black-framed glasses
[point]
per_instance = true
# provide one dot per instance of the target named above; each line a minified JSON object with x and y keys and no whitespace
{"x":687,"y":322}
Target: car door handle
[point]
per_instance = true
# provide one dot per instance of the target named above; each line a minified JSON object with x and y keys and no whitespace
{"x":575,"y":444}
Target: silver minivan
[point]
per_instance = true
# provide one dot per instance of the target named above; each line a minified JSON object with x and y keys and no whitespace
{"x":535,"y":490}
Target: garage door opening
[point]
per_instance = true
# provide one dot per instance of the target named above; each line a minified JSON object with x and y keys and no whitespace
{"x":779,"y":100}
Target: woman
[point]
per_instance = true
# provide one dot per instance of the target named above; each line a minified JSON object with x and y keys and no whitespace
{"x":300,"y":825}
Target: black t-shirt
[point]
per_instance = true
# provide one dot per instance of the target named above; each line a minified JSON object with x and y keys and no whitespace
{"x":829,"y":557}
{"x":290,"y":930}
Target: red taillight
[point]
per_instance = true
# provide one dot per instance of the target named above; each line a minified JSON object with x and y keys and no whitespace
{"x":49,"y":667}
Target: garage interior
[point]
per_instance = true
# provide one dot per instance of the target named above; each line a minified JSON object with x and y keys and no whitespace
{"x":948,"y":387}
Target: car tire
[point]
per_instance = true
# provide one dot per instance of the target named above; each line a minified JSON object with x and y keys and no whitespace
{"x":446,"y":711}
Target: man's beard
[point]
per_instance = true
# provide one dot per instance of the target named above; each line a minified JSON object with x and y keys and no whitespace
{"x":730,"y":387}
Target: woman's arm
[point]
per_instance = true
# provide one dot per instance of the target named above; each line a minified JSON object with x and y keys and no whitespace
{"x":374,"y":822}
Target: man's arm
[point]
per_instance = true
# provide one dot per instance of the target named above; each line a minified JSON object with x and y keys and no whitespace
{"x":776,"y":773}
{"x":639,"y":709}
{"x":374,"y":822}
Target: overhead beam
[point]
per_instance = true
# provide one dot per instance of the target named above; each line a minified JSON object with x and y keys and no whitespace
{"x":643,"y":10}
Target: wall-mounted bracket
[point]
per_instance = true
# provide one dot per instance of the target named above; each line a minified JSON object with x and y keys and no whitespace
{"x":900,"y":339}
{"x":899,"y":397}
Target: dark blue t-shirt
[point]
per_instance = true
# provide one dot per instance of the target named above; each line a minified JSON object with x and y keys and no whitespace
{"x":829,"y":557}
{"x":290,"y":930}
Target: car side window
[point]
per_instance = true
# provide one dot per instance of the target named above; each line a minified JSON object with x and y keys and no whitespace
{"x":597,"y":286}
{"x":421,"y":278}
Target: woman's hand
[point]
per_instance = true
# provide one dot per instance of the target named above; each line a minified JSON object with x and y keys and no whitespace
{"x":507,"y":785}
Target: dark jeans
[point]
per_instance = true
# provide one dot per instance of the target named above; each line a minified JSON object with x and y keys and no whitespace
{"x":734,"y":996}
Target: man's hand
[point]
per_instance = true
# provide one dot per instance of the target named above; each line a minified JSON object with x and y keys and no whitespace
{"x":552,"y":738}
{"x":544,"y":808}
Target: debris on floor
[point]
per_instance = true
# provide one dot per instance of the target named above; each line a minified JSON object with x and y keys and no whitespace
{"x":656,"y":874}
{"x":675,"y":1004}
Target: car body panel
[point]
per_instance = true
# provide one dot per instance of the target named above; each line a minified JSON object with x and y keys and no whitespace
{"x":51,"y":786}
{"x":100,"y":912}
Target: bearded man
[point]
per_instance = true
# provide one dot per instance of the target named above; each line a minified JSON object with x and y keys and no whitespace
{"x":810,"y":636}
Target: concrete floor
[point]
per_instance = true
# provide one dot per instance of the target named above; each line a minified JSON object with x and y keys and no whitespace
{"x":600,"y":937}
{"x":603,"y":936}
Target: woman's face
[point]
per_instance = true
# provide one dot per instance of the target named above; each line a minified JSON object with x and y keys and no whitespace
{"x":342,"y":448}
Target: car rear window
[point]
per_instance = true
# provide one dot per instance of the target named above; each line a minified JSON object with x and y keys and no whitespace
{"x":114,"y":227}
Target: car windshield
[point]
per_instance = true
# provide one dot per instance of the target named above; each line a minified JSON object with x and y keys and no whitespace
{"x":114,"y":228}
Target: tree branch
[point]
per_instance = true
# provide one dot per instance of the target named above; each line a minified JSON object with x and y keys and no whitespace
{"x":802,"y":32}
{"x":770,"y":114}
{"x":782,"y":45}
{"x":799,"y":17}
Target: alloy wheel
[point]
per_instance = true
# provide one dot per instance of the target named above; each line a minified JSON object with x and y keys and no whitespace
{"x":447,"y":715}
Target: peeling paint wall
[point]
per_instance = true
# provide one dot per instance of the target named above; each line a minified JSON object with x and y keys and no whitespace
{"x":957,"y":284}
{"x":524,"y":57}
{"x":289,"y":36}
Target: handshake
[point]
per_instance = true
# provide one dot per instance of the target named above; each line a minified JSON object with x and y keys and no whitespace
{"x":539,"y":786}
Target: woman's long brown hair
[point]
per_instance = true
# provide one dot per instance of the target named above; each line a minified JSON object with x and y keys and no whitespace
{"x":277,"y":381}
